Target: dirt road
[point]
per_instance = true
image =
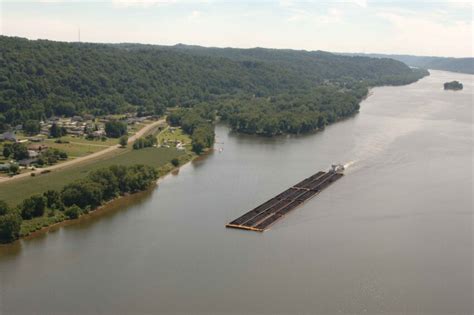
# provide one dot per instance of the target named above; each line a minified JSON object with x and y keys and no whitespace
{"x":92,"y":156}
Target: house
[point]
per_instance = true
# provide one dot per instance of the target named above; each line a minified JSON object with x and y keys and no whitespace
{"x":27,"y":162}
{"x":8,"y":136}
{"x":32,"y":154}
{"x":37,"y":147}
{"x":98,"y":133}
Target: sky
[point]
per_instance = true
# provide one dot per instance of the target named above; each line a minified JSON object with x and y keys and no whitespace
{"x":427,"y":28}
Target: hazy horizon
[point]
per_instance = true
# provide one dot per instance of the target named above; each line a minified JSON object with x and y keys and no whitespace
{"x":420,"y":28}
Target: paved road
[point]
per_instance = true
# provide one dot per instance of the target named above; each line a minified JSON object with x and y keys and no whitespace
{"x":92,"y":156}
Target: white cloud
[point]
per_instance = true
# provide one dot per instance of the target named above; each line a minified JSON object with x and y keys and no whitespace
{"x":333,"y":15}
{"x":140,"y":3}
{"x":427,"y":35}
{"x":460,"y":4}
{"x":361,"y":3}
{"x":194,"y":15}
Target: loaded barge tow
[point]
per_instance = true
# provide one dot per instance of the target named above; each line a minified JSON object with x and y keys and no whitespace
{"x":261,"y":217}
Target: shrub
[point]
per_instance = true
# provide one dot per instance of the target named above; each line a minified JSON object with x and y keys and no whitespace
{"x":175,"y":162}
{"x":3,"y":207}
{"x":72,"y":212}
{"x":32,"y":207}
{"x":10,"y":225}
{"x":123,"y":141}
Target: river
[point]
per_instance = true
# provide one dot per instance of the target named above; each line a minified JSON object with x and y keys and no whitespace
{"x":393,"y":236}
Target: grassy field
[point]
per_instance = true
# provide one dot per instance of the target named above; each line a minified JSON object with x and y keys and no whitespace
{"x":15,"y":191}
{"x":171,"y":135}
{"x":80,"y":146}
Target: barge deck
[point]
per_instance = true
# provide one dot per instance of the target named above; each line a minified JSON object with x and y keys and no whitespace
{"x":261,"y":217}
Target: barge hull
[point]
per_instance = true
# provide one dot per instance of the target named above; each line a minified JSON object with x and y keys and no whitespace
{"x":262,"y":216}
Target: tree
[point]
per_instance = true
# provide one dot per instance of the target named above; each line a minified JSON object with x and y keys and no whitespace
{"x":32,"y":127}
{"x":32,"y":207}
{"x":53,"y":200}
{"x":175,"y":162}
{"x":10,"y":224}
{"x":123,"y":141}
{"x":115,"y":129}
{"x":72,"y":212}
{"x":56,"y":131}
{"x":4,"y":207}
{"x":7,"y":150}
{"x":20,"y":151}
{"x":14,"y":168}
{"x":82,"y":193}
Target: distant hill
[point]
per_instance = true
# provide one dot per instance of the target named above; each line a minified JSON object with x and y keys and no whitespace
{"x":257,"y":90}
{"x":461,"y":65}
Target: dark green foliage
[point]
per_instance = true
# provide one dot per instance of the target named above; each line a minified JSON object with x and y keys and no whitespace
{"x":453,"y":85}
{"x":123,"y":141}
{"x":56,"y":131}
{"x":53,"y":200}
{"x":196,"y":122}
{"x":108,"y":180}
{"x":51,"y":156}
{"x":462,"y":65}
{"x":7,"y":150}
{"x":3,"y":207}
{"x":73,"y":212}
{"x":43,"y":78}
{"x":20,"y":151}
{"x":32,"y":207}
{"x":31,"y":127}
{"x":105,"y":184}
{"x":202,"y":137}
{"x":145,"y":142}
{"x":175,"y":162}
{"x":14,"y":168}
{"x":10,"y":224}
{"x":115,"y":129}
{"x":82,"y":193}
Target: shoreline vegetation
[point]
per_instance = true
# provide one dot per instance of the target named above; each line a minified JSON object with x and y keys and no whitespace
{"x":13,"y":225}
{"x":68,"y":194}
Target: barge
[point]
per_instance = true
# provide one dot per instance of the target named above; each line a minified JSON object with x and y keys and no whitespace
{"x":264,"y":215}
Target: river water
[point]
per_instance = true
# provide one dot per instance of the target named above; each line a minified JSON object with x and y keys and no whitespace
{"x":393,"y":236}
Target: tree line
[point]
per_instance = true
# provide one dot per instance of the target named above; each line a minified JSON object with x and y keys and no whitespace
{"x":42,"y":78}
{"x":76,"y":198}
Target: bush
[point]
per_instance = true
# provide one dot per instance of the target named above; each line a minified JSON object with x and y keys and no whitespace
{"x":82,"y":193}
{"x":175,"y":162}
{"x":72,"y":212}
{"x":53,"y":200}
{"x":145,"y":142}
{"x":115,"y":129}
{"x":123,"y":141}
{"x":32,"y":207}
{"x":3,"y":207}
{"x":10,"y":225}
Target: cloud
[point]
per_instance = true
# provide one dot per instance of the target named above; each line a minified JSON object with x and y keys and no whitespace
{"x":140,"y":3}
{"x":460,"y":4}
{"x":194,"y":15}
{"x":333,"y":15}
{"x":429,"y":34}
{"x":361,"y":3}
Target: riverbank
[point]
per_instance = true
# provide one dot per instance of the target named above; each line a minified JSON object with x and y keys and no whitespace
{"x":41,"y":225}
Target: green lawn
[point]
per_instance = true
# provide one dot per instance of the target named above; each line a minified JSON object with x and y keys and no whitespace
{"x":15,"y":191}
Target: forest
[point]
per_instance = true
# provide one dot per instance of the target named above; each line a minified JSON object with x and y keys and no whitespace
{"x":262,"y":91}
